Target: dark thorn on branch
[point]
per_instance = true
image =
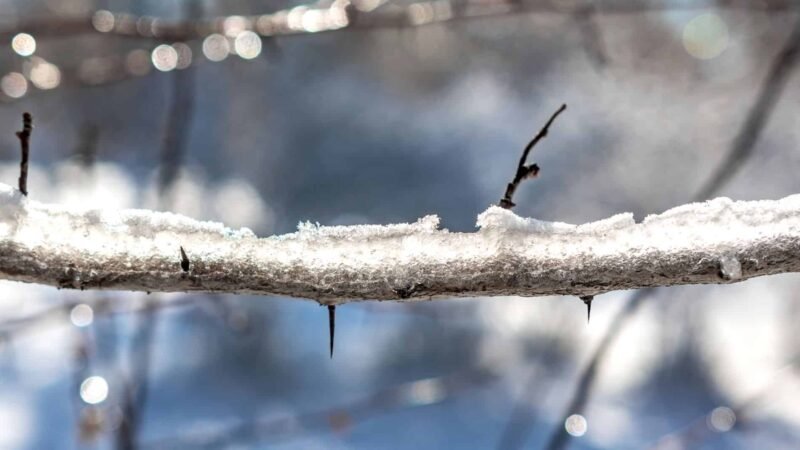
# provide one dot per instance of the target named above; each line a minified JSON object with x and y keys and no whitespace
{"x":530,"y":171}
{"x":24,"y":141}
{"x":184,"y":260}
{"x":587,"y":299}
{"x":331,"y":325}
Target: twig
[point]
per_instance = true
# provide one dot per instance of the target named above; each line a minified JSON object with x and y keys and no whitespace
{"x":161,"y":29}
{"x":591,"y":35}
{"x":137,"y":387}
{"x":523,"y":171}
{"x":559,"y":438}
{"x":388,"y":18}
{"x":24,"y":141}
{"x":86,"y":149}
{"x":13,"y":327}
{"x":384,"y":400}
{"x":758,"y":115}
{"x":176,"y":132}
{"x":694,"y":433}
{"x":736,"y":157}
{"x":176,"y":136}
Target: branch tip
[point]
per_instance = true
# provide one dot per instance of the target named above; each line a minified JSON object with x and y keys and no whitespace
{"x":525,"y":172}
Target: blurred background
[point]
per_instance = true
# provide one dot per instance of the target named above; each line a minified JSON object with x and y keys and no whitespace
{"x":265,"y":113}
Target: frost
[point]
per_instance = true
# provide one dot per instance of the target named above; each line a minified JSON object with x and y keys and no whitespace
{"x":500,"y":219}
{"x":730,"y":268}
{"x":307,"y":230}
{"x":509,"y":255}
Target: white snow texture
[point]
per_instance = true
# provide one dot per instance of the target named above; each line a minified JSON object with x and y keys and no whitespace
{"x":712,"y":242}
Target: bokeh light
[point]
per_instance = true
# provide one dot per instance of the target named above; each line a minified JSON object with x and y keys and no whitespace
{"x":313,"y":20}
{"x":45,"y":75}
{"x":103,"y":21}
{"x":14,"y":85}
{"x":247,"y":45}
{"x":234,"y":25}
{"x":426,"y":392}
{"x":721,"y":419}
{"x":81,"y":315}
{"x":705,"y":36}
{"x":23,"y":44}
{"x":216,"y":47}
{"x":576,"y":425}
{"x":184,"y":55}
{"x":94,"y":390}
{"x":294,"y":19}
{"x":165,"y":58}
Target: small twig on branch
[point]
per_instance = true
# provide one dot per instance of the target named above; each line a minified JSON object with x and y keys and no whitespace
{"x":523,"y":171}
{"x":737,"y":155}
{"x":25,"y":141}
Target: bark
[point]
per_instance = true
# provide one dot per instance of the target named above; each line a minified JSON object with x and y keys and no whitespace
{"x":720,"y":241}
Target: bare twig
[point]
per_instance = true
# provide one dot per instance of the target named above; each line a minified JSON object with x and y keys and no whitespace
{"x":159,"y":29}
{"x":736,"y":157}
{"x":591,"y":35}
{"x":86,"y":149}
{"x":176,"y":136}
{"x":523,"y":171}
{"x":384,"y":400}
{"x":759,"y":114}
{"x":24,"y":142}
{"x":176,"y":132}
{"x":276,"y":24}
{"x":137,"y":386}
{"x":559,"y":438}
{"x":696,"y":431}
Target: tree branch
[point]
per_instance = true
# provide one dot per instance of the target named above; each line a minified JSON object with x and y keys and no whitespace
{"x":715,"y":242}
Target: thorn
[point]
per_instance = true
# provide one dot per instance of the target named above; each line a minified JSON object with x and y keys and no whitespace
{"x":331,"y":324}
{"x":588,"y":300}
{"x":184,"y":260}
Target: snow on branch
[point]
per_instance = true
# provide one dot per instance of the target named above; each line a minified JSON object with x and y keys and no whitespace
{"x":719,"y":241}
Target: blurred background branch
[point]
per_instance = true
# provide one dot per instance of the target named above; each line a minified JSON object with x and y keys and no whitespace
{"x":383,"y":112}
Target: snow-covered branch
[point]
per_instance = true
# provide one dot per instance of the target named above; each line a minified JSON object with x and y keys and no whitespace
{"x":719,"y":241}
